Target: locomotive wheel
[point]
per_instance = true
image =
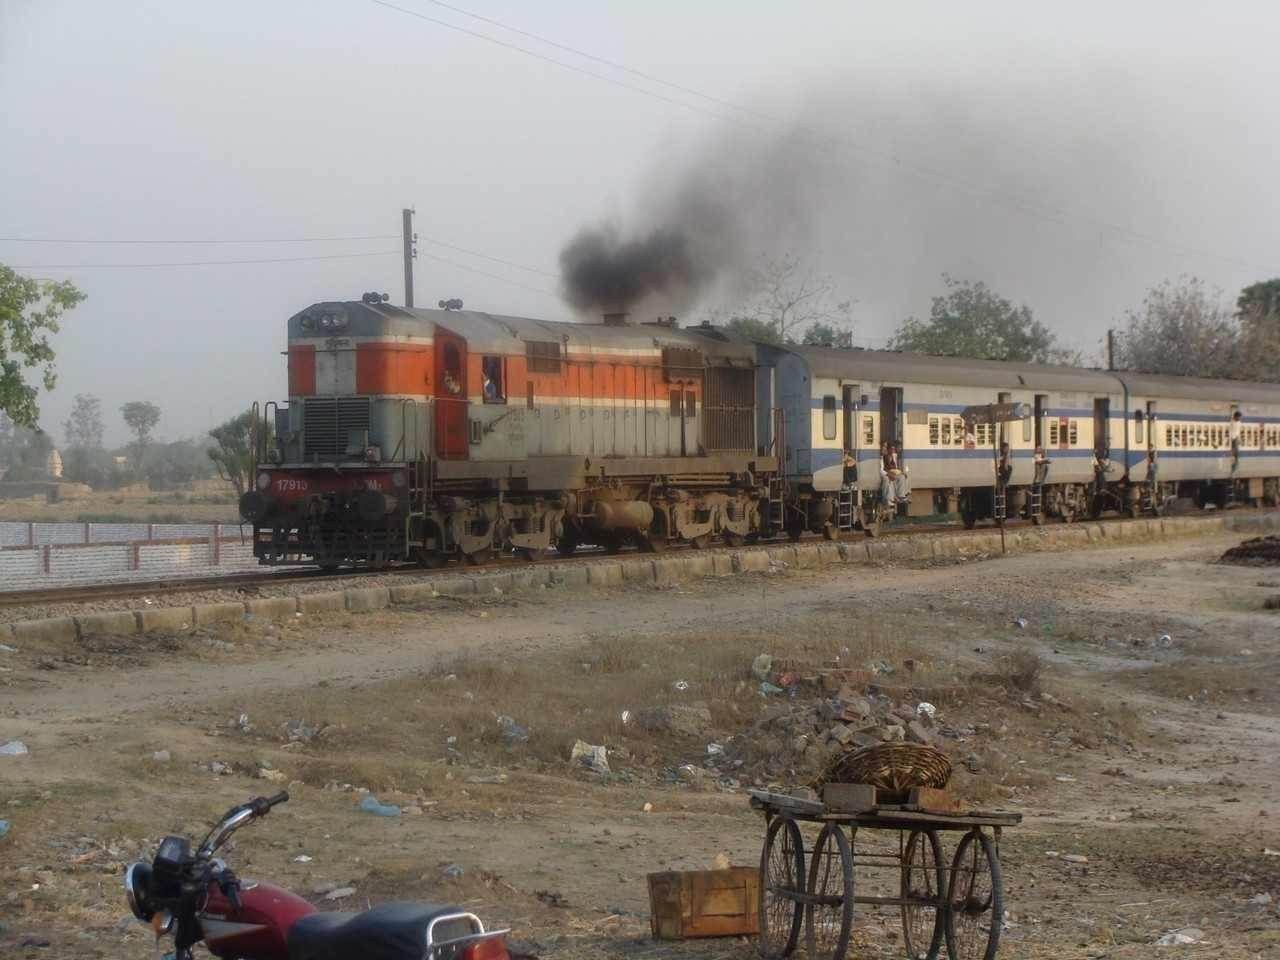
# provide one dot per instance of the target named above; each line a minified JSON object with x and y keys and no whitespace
{"x":432,"y":560}
{"x":566,"y":544}
{"x":701,"y":542}
{"x":830,"y":532}
{"x":483,"y":555}
{"x":732,"y":539}
{"x":650,"y":543}
{"x":530,"y":554}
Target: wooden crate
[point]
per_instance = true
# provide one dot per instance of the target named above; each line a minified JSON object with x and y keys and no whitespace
{"x":704,"y":903}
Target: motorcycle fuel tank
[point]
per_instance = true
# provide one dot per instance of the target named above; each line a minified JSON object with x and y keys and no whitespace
{"x":259,"y":930}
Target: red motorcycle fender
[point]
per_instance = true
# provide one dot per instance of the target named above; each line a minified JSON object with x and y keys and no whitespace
{"x":259,"y":930}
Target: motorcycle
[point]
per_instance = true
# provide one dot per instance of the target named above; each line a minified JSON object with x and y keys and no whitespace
{"x":195,"y":897}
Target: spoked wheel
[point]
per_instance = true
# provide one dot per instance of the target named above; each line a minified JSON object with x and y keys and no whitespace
{"x":781,"y":885}
{"x":829,"y":914}
{"x":975,"y":901}
{"x":922,"y":881}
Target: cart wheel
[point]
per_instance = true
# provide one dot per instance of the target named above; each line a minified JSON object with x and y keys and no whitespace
{"x":829,"y":916}
{"x":975,"y":900}
{"x":781,"y":883}
{"x":922,"y":880}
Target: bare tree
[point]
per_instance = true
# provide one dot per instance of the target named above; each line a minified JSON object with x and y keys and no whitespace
{"x":787,"y":298}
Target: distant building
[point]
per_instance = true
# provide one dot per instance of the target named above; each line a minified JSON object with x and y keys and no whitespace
{"x":53,"y":464}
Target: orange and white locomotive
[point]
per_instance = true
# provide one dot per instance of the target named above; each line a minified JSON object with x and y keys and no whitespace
{"x":426,"y":434}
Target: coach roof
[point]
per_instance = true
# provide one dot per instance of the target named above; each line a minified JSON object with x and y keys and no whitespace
{"x":1199,"y":388}
{"x":890,"y":366}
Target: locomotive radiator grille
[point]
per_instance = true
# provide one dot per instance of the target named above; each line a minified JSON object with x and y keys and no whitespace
{"x":728,"y":409}
{"x":328,"y":424}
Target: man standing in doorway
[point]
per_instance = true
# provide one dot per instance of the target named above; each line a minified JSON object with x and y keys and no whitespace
{"x":1233,"y":431}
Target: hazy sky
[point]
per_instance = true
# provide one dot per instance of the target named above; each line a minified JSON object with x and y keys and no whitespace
{"x":1069,"y":157}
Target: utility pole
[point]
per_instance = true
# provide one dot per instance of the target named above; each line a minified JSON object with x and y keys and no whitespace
{"x":1111,"y":349}
{"x":410,"y":254}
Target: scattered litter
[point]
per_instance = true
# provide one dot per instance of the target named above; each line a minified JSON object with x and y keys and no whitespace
{"x":626,"y":717}
{"x":1020,"y":622}
{"x":681,"y":686}
{"x":552,"y":898}
{"x":5,"y":648}
{"x":243,"y":723}
{"x":341,"y":893}
{"x":453,"y":871}
{"x":1261,"y":899}
{"x":302,"y":858}
{"x":762,"y":667}
{"x":1183,"y":937}
{"x":1065,"y":779}
{"x":513,"y":732}
{"x":714,"y":750}
{"x":1164,"y":640}
{"x":879,"y":667}
{"x":1074,"y":858}
{"x":927,"y":710}
{"x":4,"y":827}
{"x":1268,"y":852}
{"x":1246,"y":652}
{"x":647,"y":808}
{"x":491,"y":778}
{"x":768,"y":689}
{"x":299,"y":731}
{"x":218,"y":767}
{"x":721,"y":861}
{"x":14,"y":748}
{"x":369,"y":804}
{"x":451,"y":741}
{"x":161,"y":756}
{"x":592,"y":757}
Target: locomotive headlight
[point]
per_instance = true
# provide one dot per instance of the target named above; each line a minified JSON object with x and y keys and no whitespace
{"x":397,"y":479}
{"x":264,"y":481}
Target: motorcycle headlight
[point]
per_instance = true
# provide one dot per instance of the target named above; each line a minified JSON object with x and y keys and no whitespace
{"x":137,"y":891}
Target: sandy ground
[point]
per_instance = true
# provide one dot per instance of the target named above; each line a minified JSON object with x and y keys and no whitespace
{"x":1154,"y":759}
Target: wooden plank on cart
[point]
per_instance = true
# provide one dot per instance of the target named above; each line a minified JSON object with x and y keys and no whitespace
{"x":939,"y":821}
{"x":784,"y":803}
{"x":704,"y":903}
{"x":933,"y":800}
{"x":849,"y":797}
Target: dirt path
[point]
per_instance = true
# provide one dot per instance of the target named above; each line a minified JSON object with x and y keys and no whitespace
{"x":1173,"y":812}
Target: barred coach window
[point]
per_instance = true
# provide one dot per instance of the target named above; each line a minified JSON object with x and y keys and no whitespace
{"x":828,"y":417}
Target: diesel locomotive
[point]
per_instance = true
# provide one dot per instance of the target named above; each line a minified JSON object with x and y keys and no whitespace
{"x":426,"y":435}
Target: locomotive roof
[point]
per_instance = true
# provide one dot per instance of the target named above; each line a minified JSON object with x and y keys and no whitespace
{"x":961,"y":371}
{"x":496,"y":332}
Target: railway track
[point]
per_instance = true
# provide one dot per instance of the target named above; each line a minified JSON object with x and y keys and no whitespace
{"x":248,"y":580}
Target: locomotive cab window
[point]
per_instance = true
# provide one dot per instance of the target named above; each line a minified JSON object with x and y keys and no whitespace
{"x":491,"y":370}
{"x":828,"y":417}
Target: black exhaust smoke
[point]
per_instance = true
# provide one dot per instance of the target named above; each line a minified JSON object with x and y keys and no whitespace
{"x":602,"y":271}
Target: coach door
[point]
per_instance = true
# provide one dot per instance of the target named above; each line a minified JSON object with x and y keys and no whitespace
{"x":849,"y":419}
{"x":1102,"y":427}
{"x":451,"y":396}
{"x":891,"y":417}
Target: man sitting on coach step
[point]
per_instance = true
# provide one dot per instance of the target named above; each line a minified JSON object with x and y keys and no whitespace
{"x":895,"y":489}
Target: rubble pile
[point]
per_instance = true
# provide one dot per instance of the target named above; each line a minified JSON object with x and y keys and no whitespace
{"x":1258,"y":552}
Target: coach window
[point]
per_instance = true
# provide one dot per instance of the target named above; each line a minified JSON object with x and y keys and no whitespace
{"x":828,"y":417}
{"x":1138,"y":427}
{"x":934,"y":432}
{"x":1074,"y":436}
{"x":491,"y":369}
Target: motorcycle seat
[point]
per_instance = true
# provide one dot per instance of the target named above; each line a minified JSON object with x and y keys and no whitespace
{"x":389,"y":931}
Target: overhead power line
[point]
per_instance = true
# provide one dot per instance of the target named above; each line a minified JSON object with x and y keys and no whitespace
{"x":384,"y":236}
{"x":201,"y":263}
{"x":491,"y":276}
{"x":485,"y":256}
{"x":756,"y":119}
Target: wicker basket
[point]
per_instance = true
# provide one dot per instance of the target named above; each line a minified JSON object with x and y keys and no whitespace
{"x":889,"y":766}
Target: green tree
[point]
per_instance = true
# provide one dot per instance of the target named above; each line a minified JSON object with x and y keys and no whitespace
{"x":971,"y":320}
{"x":1258,"y":313}
{"x":233,"y":453}
{"x":753,"y":329}
{"x":141,"y":417}
{"x":30,"y":311}
{"x":1182,"y":329}
{"x":83,"y":430}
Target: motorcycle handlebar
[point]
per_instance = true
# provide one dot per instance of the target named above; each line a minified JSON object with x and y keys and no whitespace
{"x":261,"y":805}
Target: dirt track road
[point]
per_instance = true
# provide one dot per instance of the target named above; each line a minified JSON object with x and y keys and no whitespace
{"x":1175,"y":826}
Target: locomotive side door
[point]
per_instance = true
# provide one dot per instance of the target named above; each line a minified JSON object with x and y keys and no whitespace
{"x":451,"y":396}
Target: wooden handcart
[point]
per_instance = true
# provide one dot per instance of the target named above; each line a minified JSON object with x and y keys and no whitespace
{"x":811,"y":890}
